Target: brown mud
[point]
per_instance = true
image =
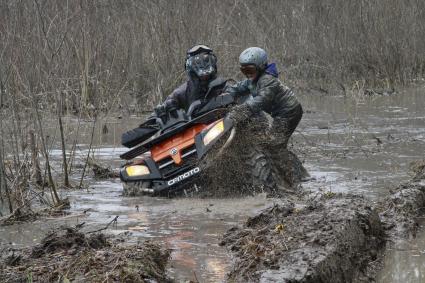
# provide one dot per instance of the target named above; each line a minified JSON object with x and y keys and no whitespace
{"x":69,"y":255}
{"x":326,"y":238}
{"x":243,"y":166}
{"x":330,"y":239}
{"x":361,"y":146}
{"x":418,"y":170}
{"x":402,"y":209}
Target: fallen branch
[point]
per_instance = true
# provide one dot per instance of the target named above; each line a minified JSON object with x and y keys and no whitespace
{"x":106,"y":227}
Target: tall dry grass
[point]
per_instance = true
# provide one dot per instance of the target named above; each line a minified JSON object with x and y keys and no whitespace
{"x":85,"y":56}
{"x":109,"y":53}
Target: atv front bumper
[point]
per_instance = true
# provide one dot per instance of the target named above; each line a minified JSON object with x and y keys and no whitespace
{"x":161,"y":187}
{"x":165,"y":176}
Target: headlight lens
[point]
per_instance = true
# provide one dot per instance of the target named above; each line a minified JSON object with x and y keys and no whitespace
{"x":214,"y":132}
{"x":137,"y":170}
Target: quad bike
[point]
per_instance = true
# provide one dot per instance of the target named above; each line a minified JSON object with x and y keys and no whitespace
{"x":168,"y":155}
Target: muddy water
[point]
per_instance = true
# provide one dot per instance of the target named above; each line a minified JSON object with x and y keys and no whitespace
{"x":405,"y":262}
{"x":191,"y":228}
{"x":364,"y":146}
{"x":361,"y":145}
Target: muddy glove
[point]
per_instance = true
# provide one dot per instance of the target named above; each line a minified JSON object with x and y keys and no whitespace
{"x":173,"y":111}
{"x":239,"y":114}
{"x":161,"y":112}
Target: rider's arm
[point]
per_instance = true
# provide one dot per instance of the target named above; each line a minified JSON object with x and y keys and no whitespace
{"x":238,"y":89}
{"x":176,"y":99}
{"x":267,"y":87}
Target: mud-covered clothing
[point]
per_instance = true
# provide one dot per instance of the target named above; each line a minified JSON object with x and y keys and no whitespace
{"x":270,"y":95}
{"x":285,"y":126}
{"x":192,"y":90}
{"x":267,"y":94}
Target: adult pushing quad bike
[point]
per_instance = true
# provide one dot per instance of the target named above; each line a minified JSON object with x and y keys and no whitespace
{"x":179,"y":152}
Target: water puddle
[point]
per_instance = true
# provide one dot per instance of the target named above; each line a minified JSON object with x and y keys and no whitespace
{"x":405,"y":262}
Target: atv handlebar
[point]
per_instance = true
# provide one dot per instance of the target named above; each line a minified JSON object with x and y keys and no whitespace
{"x":193,"y":107}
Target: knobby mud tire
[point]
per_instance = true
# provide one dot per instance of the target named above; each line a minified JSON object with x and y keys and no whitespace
{"x":259,"y":171}
{"x":132,"y":189}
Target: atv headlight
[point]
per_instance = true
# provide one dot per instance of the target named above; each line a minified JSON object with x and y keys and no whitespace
{"x":137,"y":170}
{"x":214,"y":132}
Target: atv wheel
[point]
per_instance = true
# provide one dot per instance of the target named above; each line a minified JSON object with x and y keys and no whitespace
{"x":260,"y":172}
{"x":132,"y":189}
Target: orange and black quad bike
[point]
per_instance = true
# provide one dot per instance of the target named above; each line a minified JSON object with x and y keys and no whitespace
{"x":166,"y":153}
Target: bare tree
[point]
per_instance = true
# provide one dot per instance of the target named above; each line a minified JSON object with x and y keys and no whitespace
{"x":36,"y":171}
{"x":4,"y":189}
{"x":45,"y":152}
{"x":60,"y":58}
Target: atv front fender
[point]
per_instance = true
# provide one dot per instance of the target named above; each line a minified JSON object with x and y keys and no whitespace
{"x":201,"y":148}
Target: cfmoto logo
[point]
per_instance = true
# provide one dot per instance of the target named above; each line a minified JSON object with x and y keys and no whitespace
{"x":183,"y":176}
{"x":174,"y":151}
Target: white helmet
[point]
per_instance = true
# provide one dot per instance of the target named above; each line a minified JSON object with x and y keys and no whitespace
{"x":254,"y":56}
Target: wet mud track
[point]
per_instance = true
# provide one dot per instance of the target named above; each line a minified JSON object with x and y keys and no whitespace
{"x":355,"y":146}
{"x":331,"y":239}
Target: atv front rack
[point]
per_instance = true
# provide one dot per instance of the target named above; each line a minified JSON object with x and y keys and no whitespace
{"x":146,"y":146}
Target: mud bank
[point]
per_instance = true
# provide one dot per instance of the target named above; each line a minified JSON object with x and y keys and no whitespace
{"x":401,"y":209}
{"x":330,"y":239}
{"x":68,"y":255}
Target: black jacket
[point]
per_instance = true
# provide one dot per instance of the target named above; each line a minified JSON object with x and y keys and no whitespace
{"x":183,"y":96}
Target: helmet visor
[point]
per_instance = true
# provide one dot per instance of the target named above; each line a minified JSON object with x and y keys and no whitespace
{"x":203,"y":65}
{"x":198,"y":49}
{"x":249,"y":70}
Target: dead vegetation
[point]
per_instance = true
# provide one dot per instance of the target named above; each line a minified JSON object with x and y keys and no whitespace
{"x":70,"y":255}
{"x":86,"y":58}
{"x":94,"y":55}
{"x":101,"y":171}
{"x":417,"y":169}
{"x":27,"y":213}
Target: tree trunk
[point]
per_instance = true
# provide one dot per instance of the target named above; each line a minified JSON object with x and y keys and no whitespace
{"x":65,"y":165}
{"x":88,"y":154}
{"x":3,"y":182}
{"x":36,"y":171}
{"x":56,"y":198}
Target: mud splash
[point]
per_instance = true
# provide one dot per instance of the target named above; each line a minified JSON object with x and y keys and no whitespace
{"x":244,"y":164}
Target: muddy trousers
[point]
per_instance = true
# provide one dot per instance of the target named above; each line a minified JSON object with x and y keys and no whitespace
{"x":284,"y":126}
{"x":285,"y":162}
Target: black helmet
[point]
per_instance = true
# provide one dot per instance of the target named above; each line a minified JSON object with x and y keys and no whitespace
{"x":201,"y":61}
